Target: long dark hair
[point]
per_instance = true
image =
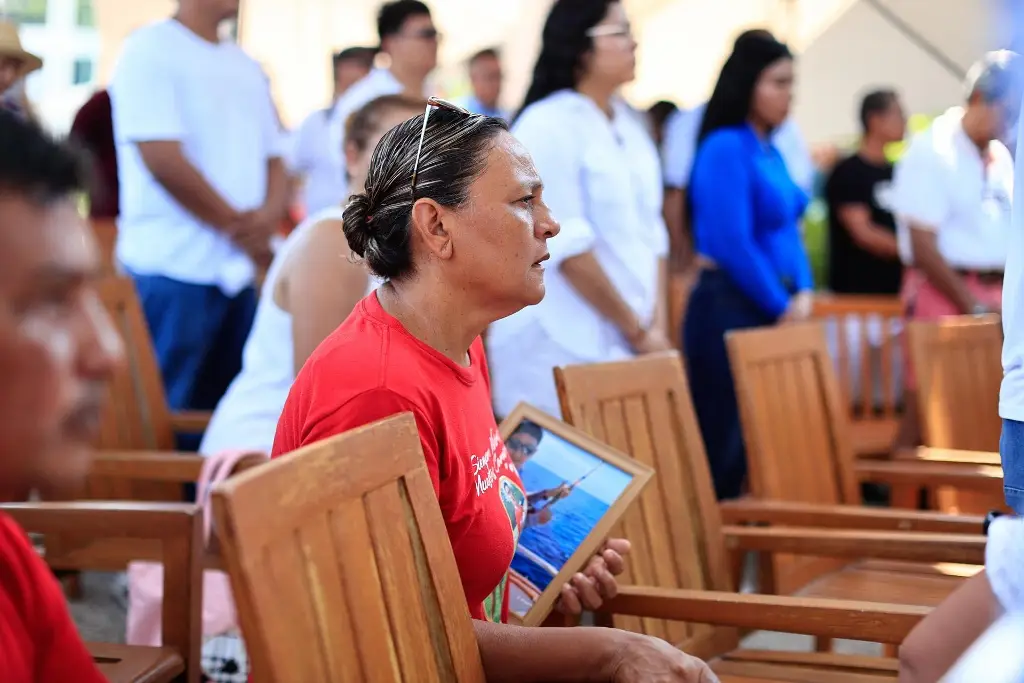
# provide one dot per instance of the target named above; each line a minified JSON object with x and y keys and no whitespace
{"x":563,"y":44}
{"x":733,"y":96}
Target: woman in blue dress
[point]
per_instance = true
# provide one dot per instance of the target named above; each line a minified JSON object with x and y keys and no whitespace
{"x":745,"y":211}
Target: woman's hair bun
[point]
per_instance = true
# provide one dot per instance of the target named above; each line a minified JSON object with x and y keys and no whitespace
{"x":356,"y":221}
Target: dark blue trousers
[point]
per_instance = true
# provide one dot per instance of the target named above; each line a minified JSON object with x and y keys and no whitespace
{"x":717,"y":306}
{"x":198,"y":333}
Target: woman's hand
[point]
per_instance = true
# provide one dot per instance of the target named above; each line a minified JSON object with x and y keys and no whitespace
{"x":652,"y":340}
{"x":596,"y":583}
{"x":800,"y":307}
{"x":643,"y":659}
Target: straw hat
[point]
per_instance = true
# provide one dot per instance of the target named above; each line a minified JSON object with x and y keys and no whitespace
{"x":10,"y":46}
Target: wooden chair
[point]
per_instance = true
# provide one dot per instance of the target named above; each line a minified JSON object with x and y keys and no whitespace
{"x":866,"y":352}
{"x":105,"y":231}
{"x":958,"y":368}
{"x":171,"y":533}
{"x":643,"y":407}
{"x":795,"y":427}
{"x":137,"y":417}
{"x":352,"y":578}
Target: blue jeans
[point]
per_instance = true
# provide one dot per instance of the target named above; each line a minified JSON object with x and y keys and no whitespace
{"x":198,"y":334}
{"x":716,"y":307}
{"x":1011,"y":452}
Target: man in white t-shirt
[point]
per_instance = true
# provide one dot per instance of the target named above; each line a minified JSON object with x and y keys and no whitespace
{"x":309,"y":156}
{"x":202,"y":190}
{"x":952,"y":193}
{"x":680,"y":147}
{"x":409,"y":38}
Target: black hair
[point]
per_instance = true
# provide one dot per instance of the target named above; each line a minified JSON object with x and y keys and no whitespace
{"x":733,"y":95}
{"x":530,"y":427}
{"x":393,"y":15}
{"x":454,"y":153}
{"x":761,"y":33}
{"x":661,"y":110}
{"x":563,"y":44}
{"x":362,"y":55}
{"x":486,"y":53}
{"x":874,"y":103}
{"x":35,"y":166}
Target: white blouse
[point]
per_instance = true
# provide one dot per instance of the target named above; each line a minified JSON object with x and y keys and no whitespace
{"x":602,"y":181}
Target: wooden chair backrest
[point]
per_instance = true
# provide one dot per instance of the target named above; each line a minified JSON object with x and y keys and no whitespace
{"x":643,"y":408}
{"x":867,"y":358}
{"x":352,"y":577}
{"x":959,"y":370}
{"x":795,"y":427}
{"x":167,"y":533}
{"x":105,"y":231}
{"x":136,"y":416}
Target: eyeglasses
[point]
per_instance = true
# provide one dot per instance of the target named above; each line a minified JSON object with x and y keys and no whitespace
{"x":527,"y":449}
{"x":424,"y":34}
{"x":620,"y":30}
{"x":431,"y":103}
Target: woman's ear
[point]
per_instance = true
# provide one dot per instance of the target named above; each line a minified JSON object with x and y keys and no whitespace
{"x":427,"y":225}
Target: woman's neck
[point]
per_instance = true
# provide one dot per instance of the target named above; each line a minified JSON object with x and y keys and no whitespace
{"x":194,"y":20}
{"x":413,"y":84}
{"x":762,"y":129}
{"x":442,"y":322}
{"x":600,"y":93}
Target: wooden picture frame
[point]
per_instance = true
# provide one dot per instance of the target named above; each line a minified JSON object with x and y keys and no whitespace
{"x":548,"y":451}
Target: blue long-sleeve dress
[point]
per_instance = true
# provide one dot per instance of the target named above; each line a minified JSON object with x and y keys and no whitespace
{"x":745,"y":212}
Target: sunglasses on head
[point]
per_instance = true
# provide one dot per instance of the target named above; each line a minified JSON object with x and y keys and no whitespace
{"x":432,"y":103}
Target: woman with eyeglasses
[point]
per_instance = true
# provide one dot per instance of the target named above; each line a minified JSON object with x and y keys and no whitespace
{"x":602,"y":179}
{"x":745,"y":210}
{"x":452,"y":219}
{"x":311,"y":287}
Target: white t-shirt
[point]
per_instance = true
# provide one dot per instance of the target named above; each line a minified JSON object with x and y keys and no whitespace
{"x":1011,"y":394}
{"x":377,"y":83}
{"x":309,"y":155}
{"x":602,"y":181}
{"x":680,"y":145}
{"x":1004,"y":562}
{"x":943,"y":183}
{"x":171,"y":85}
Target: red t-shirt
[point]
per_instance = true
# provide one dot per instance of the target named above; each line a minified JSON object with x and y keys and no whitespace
{"x":38,"y":640}
{"x":371,"y":368}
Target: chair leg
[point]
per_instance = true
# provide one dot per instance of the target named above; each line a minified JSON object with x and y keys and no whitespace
{"x":71,"y":582}
{"x":823,"y":645}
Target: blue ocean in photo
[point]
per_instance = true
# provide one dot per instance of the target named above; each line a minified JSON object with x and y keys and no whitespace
{"x":556,"y":541}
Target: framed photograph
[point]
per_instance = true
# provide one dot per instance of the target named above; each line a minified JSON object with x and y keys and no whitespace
{"x":577,"y":488}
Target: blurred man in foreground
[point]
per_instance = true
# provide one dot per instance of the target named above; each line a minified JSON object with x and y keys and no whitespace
{"x":57,"y":351}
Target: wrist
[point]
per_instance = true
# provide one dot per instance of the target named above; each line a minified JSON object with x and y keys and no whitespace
{"x":611,"y":645}
{"x":634,"y":332}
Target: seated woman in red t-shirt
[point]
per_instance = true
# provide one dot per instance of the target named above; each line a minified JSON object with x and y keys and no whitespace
{"x":453,"y":219}
{"x":57,"y":352}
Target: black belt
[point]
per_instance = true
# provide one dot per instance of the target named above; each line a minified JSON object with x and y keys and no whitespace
{"x":983,"y":276}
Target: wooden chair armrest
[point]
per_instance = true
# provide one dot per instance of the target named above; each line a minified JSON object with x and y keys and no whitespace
{"x":981,"y":478}
{"x":884,"y":545}
{"x":88,"y":520}
{"x":190,"y":421}
{"x":168,"y":466}
{"x":868,"y":621}
{"x":949,"y":455}
{"x":786,"y":513}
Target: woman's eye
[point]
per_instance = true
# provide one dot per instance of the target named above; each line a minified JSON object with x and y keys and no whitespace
{"x":528,"y":199}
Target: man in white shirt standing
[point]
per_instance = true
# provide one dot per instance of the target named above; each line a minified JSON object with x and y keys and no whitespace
{"x":309,"y":154}
{"x":680,"y":147}
{"x":409,"y":38}
{"x":485,"y":78}
{"x":202,"y":190}
{"x":952,"y":193}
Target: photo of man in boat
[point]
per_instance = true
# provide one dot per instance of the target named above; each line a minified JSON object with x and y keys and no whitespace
{"x":521,"y":445}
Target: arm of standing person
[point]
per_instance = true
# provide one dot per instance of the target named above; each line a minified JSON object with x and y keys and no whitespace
{"x":278,"y":195}
{"x":938,"y":641}
{"x":146,"y":114}
{"x":846,"y":194}
{"x":722,"y":203}
{"x":677,"y":154}
{"x":319,"y":285}
{"x":922,"y":201}
{"x":559,"y":163}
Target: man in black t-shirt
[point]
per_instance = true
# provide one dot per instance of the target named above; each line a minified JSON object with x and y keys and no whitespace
{"x":863,"y":257}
